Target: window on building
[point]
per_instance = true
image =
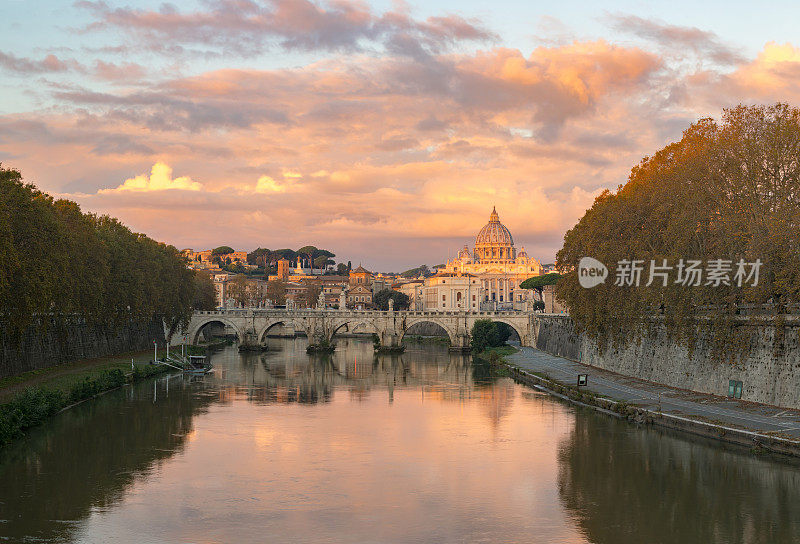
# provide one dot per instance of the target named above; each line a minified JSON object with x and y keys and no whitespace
{"x":443,"y":298}
{"x":473,"y":298}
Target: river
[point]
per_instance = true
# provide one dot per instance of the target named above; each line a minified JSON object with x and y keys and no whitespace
{"x":285,"y":447}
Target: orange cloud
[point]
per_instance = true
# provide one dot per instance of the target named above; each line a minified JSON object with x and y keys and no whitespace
{"x":379,"y":157}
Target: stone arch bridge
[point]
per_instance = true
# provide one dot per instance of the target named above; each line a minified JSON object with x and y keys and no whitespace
{"x":251,"y":326}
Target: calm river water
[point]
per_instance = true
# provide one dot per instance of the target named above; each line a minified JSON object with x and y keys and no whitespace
{"x":285,"y":447}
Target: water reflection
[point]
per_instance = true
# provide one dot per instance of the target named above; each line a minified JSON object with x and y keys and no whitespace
{"x":286,"y":374}
{"x":89,"y":455}
{"x":352,"y":447}
{"x":625,"y":485}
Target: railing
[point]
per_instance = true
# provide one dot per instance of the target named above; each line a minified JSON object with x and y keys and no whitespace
{"x":247,"y":312}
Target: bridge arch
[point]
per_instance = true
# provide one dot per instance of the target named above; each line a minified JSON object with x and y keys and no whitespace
{"x":411,"y":322}
{"x":289,"y":323}
{"x":355,"y":322}
{"x":194,"y":333}
{"x":514,"y":324}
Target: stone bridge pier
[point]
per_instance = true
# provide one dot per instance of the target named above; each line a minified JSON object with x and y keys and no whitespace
{"x":251,"y":326}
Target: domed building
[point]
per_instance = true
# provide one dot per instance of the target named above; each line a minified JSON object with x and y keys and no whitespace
{"x":494,"y":242}
{"x":496,"y":265}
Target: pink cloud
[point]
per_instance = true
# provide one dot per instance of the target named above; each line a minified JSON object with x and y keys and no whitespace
{"x":369,"y":154}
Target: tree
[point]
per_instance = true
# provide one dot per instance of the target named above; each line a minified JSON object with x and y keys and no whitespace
{"x":726,"y":190}
{"x":276,"y":292}
{"x":205,"y":296}
{"x":310,"y":295}
{"x":539,"y":282}
{"x":341,"y":269}
{"x":421,"y":270}
{"x":101,"y":271}
{"x":484,"y":335}
{"x":259,"y":257}
{"x":382,"y":297}
{"x":239,"y":289}
{"x":308,"y":252}
{"x":279,"y":254}
{"x":222,"y":250}
{"x":234,"y":268}
{"x":323,"y":261}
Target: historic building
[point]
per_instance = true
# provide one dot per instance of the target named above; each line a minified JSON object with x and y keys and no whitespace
{"x":496,"y":265}
{"x":449,"y":291}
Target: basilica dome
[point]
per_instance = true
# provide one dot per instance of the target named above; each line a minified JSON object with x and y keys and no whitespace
{"x":494,"y":241}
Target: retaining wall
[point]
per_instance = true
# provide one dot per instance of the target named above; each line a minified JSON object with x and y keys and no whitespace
{"x":46,"y":346}
{"x":770,"y":373}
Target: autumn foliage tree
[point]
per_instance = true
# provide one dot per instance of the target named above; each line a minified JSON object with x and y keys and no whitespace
{"x":729,"y":189}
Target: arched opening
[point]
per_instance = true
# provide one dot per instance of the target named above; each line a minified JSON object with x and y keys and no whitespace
{"x":508,"y":332}
{"x":214,"y":331}
{"x":354,"y":329}
{"x":280,"y":329}
{"x":426,"y":332}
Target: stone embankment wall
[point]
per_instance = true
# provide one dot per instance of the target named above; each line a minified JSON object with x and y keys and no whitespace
{"x":770,"y":373}
{"x":44,"y":347}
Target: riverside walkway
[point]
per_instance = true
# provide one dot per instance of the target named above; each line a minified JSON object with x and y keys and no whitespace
{"x":700,"y":407}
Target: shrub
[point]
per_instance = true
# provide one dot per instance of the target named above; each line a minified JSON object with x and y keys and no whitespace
{"x":26,"y":410}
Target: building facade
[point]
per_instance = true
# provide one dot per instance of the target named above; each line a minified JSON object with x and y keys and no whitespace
{"x":497,"y":266}
{"x":452,"y":292}
{"x":413,"y":290}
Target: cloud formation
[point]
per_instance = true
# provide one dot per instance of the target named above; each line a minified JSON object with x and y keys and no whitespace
{"x":249,"y":27}
{"x":160,"y":179}
{"x":22,"y":65}
{"x":703,"y":43}
{"x":391,"y":147}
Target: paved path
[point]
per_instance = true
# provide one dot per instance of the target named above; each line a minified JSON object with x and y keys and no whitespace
{"x":729,"y":412}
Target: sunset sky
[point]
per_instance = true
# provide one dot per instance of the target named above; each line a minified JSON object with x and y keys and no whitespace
{"x":384,"y":131}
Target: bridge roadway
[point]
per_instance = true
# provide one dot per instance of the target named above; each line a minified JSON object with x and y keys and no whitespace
{"x":251,"y":325}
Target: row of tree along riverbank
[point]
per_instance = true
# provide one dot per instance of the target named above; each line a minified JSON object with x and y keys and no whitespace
{"x":76,"y":285}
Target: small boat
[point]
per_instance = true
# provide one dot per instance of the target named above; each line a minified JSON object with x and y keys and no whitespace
{"x":198,"y":364}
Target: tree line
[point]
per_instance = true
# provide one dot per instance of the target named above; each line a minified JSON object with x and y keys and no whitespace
{"x":728,"y":190}
{"x":60,"y":262}
{"x":315,"y":257}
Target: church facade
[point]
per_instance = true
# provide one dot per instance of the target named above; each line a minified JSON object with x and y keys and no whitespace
{"x":496,"y":264}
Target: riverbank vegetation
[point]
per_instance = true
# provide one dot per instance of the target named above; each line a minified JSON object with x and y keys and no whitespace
{"x":728,"y":190}
{"x":488,"y":334}
{"x":36,"y":404}
{"x":488,"y":346}
{"x":63,"y":263}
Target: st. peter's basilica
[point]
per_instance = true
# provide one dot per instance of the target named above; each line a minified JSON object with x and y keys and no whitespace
{"x":495,"y":262}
